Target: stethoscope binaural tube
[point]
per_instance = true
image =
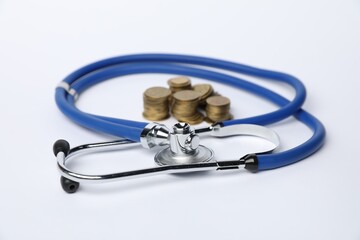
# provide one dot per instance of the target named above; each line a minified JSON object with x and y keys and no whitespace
{"x":92,"y":74}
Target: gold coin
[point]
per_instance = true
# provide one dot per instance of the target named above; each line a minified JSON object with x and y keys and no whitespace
{"x":156,"y":103}
{"x":218,"y":101}
{"x":196,"y":119}
{"x":186,"y":96}
{"x":217,"y":109}
{"x":155,"y":93}
{"x":180,"y":83}
{"x":205,"y":90}
{"x":184,"y":107}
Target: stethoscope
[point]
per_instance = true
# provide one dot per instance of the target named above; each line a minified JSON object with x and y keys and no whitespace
{"x":180,"y":148}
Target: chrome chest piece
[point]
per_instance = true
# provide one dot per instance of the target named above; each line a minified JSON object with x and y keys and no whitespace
{"x":181,"y":152}
{"x":184,"y":147}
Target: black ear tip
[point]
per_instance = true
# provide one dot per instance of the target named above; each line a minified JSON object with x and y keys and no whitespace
{"x":68,"y":185}
{"x":61,"y":145}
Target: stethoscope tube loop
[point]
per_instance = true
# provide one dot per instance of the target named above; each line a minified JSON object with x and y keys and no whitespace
{"x":171,"y":64}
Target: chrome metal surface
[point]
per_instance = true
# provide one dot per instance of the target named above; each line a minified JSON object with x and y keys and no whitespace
{"x":242,"y":130}
{"x":184,"y":148}
{"x":100,"y":147}
{"x":73,"y":93}
{"x":91,"y":148}
{"x":68,"y":89}
{"x":183,"y":155}
{"x":154,"y":134}
{"x":166,"y":157}
{"x":64,"y":85}
{"x":183,"y":139}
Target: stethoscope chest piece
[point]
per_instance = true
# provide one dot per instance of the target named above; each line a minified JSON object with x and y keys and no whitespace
{"x":184,"y":148}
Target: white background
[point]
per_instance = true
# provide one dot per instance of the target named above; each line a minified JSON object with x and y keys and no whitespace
{"x":42,"y":41}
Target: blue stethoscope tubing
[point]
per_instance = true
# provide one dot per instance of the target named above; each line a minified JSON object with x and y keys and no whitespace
{"x":94,"y":73}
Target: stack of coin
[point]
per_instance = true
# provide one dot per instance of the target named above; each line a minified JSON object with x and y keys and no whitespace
{"x":184,"y":107}
{"x":177,"y":84}
{"x":217,"y":109}
{"x":156,"y":103}
{"x":205,"y":91}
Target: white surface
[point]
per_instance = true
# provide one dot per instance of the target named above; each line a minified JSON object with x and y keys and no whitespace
{"x":43,"y":41}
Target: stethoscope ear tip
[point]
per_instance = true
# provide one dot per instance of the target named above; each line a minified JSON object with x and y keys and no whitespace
{"x":61,"y":145}
{"x":68,"y":185}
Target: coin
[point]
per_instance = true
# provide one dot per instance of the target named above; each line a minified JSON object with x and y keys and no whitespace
{"x":156,"y":103}
{"x":157,"y":93}
{"x":218,"y":101}
{"x":184,"y":107}
{"x":205,"y":91}
{"x":186,"y":96}
{"x":180,"y":83}
{"x":218,"y":109}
